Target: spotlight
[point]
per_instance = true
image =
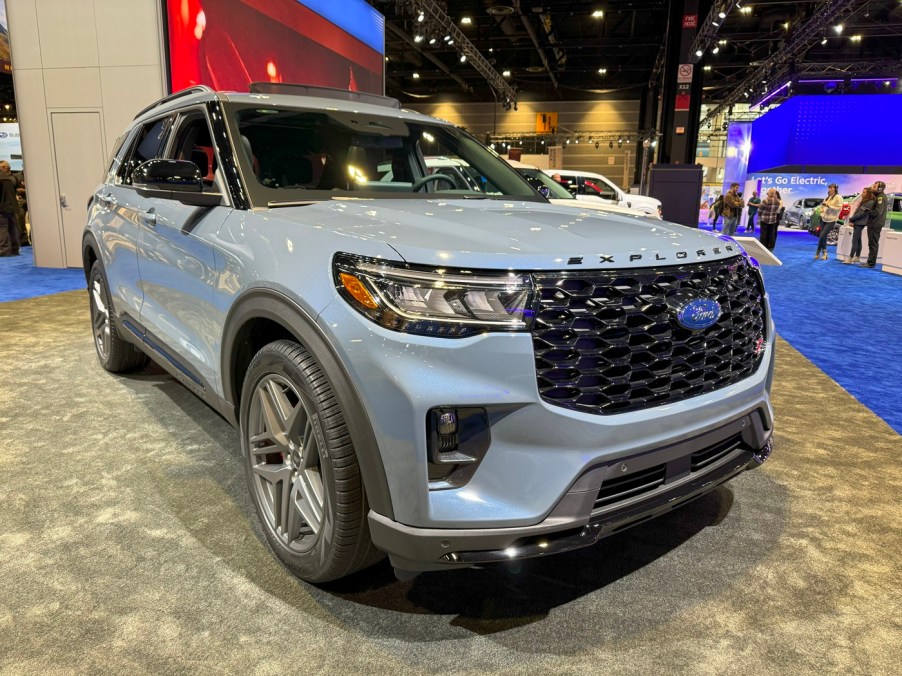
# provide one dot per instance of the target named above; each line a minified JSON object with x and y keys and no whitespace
{"x":421,"y":17}
{"x":597,"y":14}
{"x":463,"y":58}
{"x":722,"y":15}
{"x":707,"y":68}
{"x":568,"y":141}
{"x":715,"y":50}
{"x":466,"y":21}
{"x":431,"y":41}
{"x":745,"y":10}
{"x":699,"y":53}
{"x":824,"y":41}
{"x":602,"y":71}
{"x":418,"y":38}
{"x":855,"y":38}
{"x":654,"y":144}
{"x":415,"y":76}
{"x":838,"y":28}
{"x":447,"y":38}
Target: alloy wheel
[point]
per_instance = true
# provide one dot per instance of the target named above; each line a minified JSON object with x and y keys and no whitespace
{"x":100,"y":318}
{"x":285,"y":460}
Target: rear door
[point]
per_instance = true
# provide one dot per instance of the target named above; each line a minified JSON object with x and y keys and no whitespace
{"x":176,"y":262}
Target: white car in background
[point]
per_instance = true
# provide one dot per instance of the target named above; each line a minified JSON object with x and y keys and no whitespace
{"x":556,"y":193}
{"x":587,"y":185}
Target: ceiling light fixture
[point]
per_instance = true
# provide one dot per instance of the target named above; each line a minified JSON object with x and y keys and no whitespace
{"x":506,"y":73}
{"x":597,"y":14}
{"x":418,"y":38}
{"x":722,"y":15}
{"x":699,"y":53}
{"x":715,"y":50}
{"x":855,"y":38}
{"x":824,"y":41}
{"x":745,"y":10}
{"x":603,"y":71}
{"x":707,"y":68}
{"x":466,"y":21}
{"x":838,"y":28}
{"x":421,"y":17}
{"x":463,"y":58}
{"x":415,"y":76}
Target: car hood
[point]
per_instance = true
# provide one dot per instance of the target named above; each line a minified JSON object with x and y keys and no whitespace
{"x":508,"y":234}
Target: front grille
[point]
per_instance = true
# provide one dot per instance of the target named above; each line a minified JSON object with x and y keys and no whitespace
{"x":606,"y":342}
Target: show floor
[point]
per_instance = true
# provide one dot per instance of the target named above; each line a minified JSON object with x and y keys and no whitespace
{"x":129,"y":545}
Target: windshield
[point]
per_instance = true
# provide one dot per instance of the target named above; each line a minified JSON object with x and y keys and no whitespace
{"x":290,"y":155}
{"x":538,"y":179}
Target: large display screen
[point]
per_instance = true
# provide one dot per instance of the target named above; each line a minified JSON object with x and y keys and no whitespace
{"x":228,"y":44}
{"x":830,"y":130}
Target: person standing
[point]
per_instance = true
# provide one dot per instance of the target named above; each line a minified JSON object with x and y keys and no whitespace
{"x":716,"y":211}
{"x":876,"y":221}
{"x":830,"y":208}
{"x":9,"y":224}
{"x":859,"y":221}
{"x":769,"y":217}
{"x":754,"y":203}
{"x":732,"y":208}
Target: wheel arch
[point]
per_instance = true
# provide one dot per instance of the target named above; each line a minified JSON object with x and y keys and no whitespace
{"x":90,"y":253}
{"x":261,"y":316}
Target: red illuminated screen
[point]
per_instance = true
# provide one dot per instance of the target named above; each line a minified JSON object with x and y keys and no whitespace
{"x":228,"y":44}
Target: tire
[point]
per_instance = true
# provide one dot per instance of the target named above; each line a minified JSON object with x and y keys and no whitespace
{"x":115,"y":354}
{"x":301,"y":466}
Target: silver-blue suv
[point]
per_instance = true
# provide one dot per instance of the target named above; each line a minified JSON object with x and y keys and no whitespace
{"x":435,"y":365}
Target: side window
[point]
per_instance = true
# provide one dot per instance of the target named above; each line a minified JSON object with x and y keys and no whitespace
{"x":600,"y":189}
{"x":193,"y":142}
{"x":147,"y":145}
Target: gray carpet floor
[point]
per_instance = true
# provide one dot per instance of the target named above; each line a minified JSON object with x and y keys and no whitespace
{"x":128,"y":545}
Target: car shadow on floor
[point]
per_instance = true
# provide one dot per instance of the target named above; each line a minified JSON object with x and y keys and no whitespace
{"x":643,"y":575}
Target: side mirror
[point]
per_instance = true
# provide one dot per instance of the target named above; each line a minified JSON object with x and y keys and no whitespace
{"x":178,"y":180}
{"x":170,"y":175}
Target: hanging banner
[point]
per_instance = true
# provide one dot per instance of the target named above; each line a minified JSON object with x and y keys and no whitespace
{"x":556,"y":157}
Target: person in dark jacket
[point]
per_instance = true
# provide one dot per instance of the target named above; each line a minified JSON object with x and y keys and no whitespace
{"x":754,"y":203}
{"x":876,"y":221}
{"x":859,"y":221}
{"x":9,"y":224}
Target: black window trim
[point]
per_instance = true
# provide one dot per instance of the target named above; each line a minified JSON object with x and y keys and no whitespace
{"x":187,"y":113}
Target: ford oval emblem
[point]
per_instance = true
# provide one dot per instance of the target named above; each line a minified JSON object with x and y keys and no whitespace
{"x":3,"y":134}
{"x":696,"y":313}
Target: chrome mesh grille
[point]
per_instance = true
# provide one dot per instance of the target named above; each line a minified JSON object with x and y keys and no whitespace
{"x":606,"y":342}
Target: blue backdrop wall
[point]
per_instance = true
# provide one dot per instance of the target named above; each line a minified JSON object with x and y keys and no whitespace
{"x":829,"y":130}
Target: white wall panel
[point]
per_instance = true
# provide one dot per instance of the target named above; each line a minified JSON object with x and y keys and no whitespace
{"x":72,"y":87}
{"x":126,"y":90}
{"x":94,"y":56}
{"x":120,"y":44}
{"x":25,"y":43}
{"x":39,"y":167}
{"x":67,"y":32}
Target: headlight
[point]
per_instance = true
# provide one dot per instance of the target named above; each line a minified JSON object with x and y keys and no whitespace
{"x":435,"y":302}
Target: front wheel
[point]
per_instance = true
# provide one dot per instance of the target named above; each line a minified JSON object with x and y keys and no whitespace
{"x":301,"y":466}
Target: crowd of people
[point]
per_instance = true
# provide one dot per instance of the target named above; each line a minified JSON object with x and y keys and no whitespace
{"x":869,"y":216}
{"x":13,"y":206}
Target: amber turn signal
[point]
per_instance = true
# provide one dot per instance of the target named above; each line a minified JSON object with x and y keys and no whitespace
{"x":357,"y":290}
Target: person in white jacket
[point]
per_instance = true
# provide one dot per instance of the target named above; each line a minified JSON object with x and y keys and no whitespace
{"x":830,"y":208}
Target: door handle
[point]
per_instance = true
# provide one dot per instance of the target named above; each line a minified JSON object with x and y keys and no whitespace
{"x":149,"y":217}
{"x":107,"y":199}
{"x":64,"y":202}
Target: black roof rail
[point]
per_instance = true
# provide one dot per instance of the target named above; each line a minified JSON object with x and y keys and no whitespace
{"x":196,"y":89}
{"x":323,"y":92}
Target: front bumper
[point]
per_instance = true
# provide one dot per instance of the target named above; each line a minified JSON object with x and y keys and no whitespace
{"x":605,"y":499}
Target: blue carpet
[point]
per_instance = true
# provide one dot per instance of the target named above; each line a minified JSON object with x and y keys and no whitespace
{"x":845,"y":319}
{"x":19,"y":278}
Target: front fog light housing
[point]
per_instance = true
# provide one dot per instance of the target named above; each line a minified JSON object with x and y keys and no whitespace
{"x":456,"y":441}
{"x":435,"y":301}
